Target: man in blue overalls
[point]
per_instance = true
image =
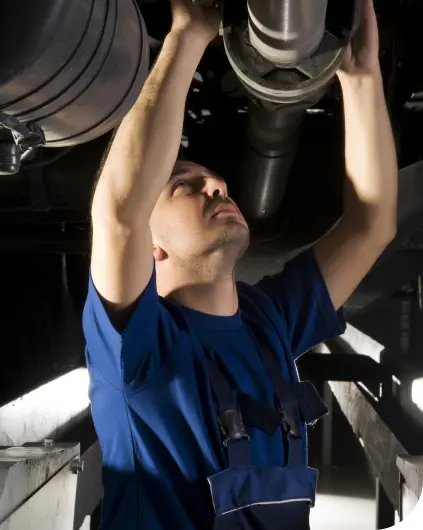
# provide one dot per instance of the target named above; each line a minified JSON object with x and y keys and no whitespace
{"x":194,"y":391}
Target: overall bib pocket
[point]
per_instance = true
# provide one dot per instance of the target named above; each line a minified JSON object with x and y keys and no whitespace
{"x":263,"y":498}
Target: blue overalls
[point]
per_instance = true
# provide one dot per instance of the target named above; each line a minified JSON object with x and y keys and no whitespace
{"x":247,"y":497}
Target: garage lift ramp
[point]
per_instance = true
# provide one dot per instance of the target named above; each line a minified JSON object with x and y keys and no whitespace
{"x":385,"y":412}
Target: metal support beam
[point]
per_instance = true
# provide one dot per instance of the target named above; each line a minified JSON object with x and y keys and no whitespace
{"x":385,"y":512}
{"x":86,"y":525}
{"x":49,"y":486}
{"x":47,"y":411}
{"x":38,"y":486}
{"x":341,"y":367}
{"x":380,"y":443}
{"x":410,"y":483}
{"x":327,"y":431}
{"x":411,"y":468}
{"x":90,"y":488}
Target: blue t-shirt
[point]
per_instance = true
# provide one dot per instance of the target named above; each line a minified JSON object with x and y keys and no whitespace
{"x":151,"y":399}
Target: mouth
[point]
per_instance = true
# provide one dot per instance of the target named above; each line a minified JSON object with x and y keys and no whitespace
{"x":224,"y":210}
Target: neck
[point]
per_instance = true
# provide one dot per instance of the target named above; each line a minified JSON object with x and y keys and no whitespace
{"x":207,"y":287}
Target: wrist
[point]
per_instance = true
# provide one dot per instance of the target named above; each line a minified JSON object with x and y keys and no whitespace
{"x":357,"y":90}
{"x":189,"y":36}
{"x":371,"y":78}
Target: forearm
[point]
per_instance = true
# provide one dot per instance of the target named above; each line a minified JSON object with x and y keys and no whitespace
{"x":370,"y":156}
{"x":146,"y":145}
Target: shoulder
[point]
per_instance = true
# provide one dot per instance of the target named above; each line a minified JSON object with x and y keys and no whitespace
{"x":132,"y":355}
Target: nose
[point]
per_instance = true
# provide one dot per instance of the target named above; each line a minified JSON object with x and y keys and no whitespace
{"x":215,"y":187}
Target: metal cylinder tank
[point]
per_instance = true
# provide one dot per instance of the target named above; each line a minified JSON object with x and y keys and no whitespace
{"x":73,"y":68}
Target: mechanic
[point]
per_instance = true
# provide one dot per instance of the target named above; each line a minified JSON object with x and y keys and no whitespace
{"x":194,"y":391}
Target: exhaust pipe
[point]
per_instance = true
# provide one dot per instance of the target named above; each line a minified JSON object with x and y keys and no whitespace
{"x":286,"y":59}
{"x":286,"y":32}
{"x":272,"y":139}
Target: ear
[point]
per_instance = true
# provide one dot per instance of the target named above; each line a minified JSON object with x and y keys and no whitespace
{"x":158,"y":253}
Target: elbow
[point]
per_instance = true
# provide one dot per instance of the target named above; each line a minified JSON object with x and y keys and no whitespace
{"x":111,"y":215}
{"x":391,"y":233}
{"x":106,"y":207}
{"x":376,"y":224}
{"x":383,"y":233}
{"x":103,"y":210}
{"x":387,"y":226}
{"x":378,"y":233}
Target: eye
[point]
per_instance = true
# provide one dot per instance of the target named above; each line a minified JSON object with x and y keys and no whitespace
{"x":186,"y":184}
{"x":177,"y":184}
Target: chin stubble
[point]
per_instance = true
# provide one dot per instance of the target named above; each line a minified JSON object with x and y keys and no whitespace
{"x":232,"y":241}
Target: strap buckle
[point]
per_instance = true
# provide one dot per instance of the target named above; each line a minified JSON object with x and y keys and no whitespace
{"x":289,"y":421}
{"x":232,"y":426}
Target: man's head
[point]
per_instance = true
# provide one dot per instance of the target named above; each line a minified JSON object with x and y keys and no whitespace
{"x":194,"y":221}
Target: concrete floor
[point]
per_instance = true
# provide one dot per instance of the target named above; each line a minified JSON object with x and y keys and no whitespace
{"x":346,"y":491}
{"x":345,"y":500}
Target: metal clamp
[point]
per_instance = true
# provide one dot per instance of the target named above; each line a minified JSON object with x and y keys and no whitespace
{"x":290,"y":423}
{"x":232,"y":426}
{"x":27,"y":136}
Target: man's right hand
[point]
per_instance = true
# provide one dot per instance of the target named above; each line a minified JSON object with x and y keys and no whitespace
{"x":200,"y":19}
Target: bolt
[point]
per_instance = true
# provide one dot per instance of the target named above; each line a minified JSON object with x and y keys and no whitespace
{"x":77,"y":466}
{"x":48,"y":444}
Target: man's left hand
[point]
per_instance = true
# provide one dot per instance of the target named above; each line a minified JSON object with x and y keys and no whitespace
{"x":362,"y":54}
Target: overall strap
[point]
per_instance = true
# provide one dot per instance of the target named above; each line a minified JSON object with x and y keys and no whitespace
{"x":306,"y":399}
{"x":296,"y":399}
{"x":287,"y":401}
{"x":287,"y":406}
{"x":236,"y":440}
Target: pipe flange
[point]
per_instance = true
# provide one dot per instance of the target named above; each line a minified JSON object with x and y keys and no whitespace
{"x":266,"y":81}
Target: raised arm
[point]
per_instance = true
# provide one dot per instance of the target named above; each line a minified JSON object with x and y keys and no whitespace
{"x":141,"y":160}
{"x":346,"y":254}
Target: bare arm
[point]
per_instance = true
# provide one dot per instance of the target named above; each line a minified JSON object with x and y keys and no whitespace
{"x":347,"y":253}
{"x":141,"y":160}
